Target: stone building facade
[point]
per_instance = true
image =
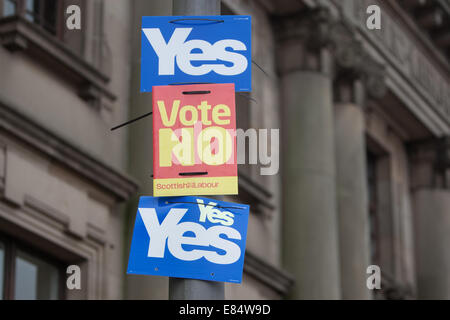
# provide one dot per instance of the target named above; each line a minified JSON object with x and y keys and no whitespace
{"x":364,"y":118}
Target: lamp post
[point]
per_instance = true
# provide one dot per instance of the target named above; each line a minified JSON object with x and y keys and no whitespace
{"x":191,"y":289}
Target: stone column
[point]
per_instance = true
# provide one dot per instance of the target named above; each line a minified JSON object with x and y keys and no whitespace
{"x":431,"y":206}
{"x":357,"y":77}
{"x":351,"y":183}
{"x":310,"y":240}
{"x":326,"y":233}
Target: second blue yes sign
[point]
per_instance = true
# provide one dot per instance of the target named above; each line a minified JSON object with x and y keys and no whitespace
{"x":192,"y":49}
{"x":189,"y":237}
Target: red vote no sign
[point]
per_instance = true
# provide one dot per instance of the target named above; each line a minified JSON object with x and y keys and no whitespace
{"x":194,"y":147}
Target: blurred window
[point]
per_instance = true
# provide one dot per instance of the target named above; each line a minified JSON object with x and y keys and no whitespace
{"x":383,"y":235}
{"x":9,"y":7}
{"x":27,"y":275}
{"x":35,"y":278}
{"x":44,"y":13}
{"x":372,"y":190}
{"x":47,"y":14}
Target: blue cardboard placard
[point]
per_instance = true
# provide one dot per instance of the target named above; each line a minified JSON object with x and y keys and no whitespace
{"x":189,"y":237}
{"x":196,"y":49}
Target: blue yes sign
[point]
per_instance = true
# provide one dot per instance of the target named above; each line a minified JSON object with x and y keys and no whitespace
{"x":211,"y":49}
{"x":189,"y":237}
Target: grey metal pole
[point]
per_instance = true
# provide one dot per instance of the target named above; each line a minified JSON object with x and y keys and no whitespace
{"x":196,"y":7}
{"x":190,"y":289}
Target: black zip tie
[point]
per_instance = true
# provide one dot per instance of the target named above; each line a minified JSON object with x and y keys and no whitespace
{"x":259,"y":67}
{"x":131,"y":121}
{"x":197,"y":92}
{"x":192,"y":173}
{"x":189,"y":174}
{"x":207,"y":205}
{"x":247,"y":97}
{"x":213,"y":21}
{"x":188,"y":83}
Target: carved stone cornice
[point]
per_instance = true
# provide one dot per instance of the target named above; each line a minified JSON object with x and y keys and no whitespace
{"x":312,"y":27}
{"x":301,"y":40}
{"x":353,"y":61}
{"x":303,"y":37}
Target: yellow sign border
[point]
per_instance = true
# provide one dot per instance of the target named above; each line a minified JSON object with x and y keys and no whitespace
{"x":195,"y":186}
